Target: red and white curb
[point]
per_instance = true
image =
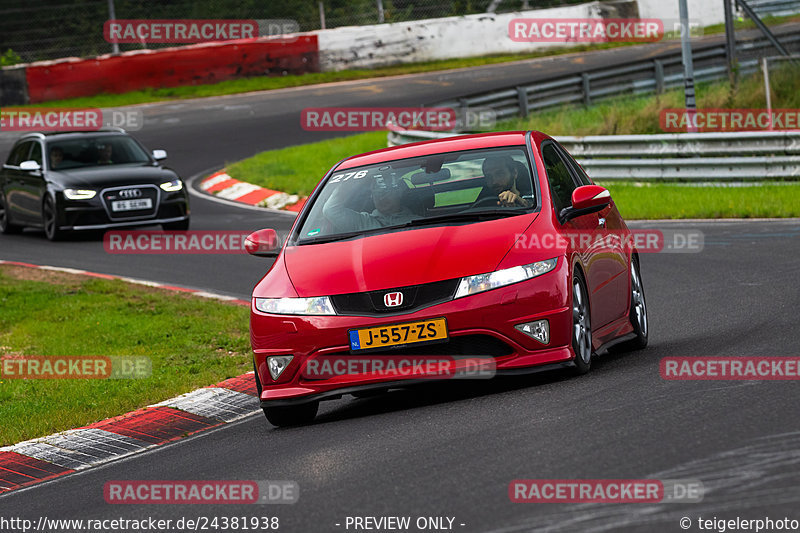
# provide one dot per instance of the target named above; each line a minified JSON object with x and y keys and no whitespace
{"x":45,"y":458}
{"x":222,"y":185}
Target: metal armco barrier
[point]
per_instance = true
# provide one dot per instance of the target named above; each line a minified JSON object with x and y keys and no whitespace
{"x":673,"y":156}
{"x":652,"y":76}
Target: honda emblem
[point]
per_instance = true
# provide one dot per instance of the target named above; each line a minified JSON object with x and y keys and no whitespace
{"x":393,"y":299}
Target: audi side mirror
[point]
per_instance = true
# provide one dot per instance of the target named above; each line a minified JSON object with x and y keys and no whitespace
{"x":30,"y":166}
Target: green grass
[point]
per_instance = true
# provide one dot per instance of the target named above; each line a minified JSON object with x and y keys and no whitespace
{"x":297,"y":169}
{"x":192,"y":342}
{"x":669,"y":200}
{"x":640,"y":115}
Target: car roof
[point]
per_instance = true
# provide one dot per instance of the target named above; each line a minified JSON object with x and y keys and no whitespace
{"x":66,"y":135}
{"x":438,"y":146}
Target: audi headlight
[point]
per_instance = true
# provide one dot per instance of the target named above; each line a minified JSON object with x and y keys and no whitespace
{"x":320,"y":305}
{"x":79,"y":194}
{"x":500,"y":278}
{"x":172,"y":186}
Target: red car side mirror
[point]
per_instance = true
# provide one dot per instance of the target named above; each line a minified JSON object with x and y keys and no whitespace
{"x":586,"y":199}
{"x":589,"y":196}
{"x":263,"y":243}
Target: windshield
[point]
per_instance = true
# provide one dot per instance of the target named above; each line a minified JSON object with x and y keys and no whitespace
{"x":456,"y":186}
{"x":95,"y":151}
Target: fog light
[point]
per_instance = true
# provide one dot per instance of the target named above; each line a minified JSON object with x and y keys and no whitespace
{"x":277,"y":364}
{"x":539,"y":330}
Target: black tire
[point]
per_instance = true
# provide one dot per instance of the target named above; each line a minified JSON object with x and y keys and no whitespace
{"x":291,"y":415}
{"x":183,"y":225}
{"x":581,"y":325}
{"x":50,"y":220}
{"x":6,"y":227}
{"x":638,"y":312}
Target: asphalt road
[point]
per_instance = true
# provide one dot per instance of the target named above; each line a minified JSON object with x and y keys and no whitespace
{"x":452,"y":449}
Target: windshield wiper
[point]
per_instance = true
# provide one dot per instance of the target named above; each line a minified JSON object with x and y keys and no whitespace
{"x":467,"y":216}
{"x":330,"y":238}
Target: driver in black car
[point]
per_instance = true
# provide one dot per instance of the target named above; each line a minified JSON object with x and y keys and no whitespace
{"x":501,"y":174}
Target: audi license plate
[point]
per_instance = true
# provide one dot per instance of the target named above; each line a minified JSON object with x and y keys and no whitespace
{"x":398,"y":334}
{"x":132,"y":205}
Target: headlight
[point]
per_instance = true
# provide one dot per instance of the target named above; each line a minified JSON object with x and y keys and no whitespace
{"x":296,"y":306}
{"x":501,"y":278}
{"x":79,"y":194}
{"x":172,"y":186}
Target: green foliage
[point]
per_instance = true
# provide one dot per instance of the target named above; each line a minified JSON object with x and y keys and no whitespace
{"x":9,"y":58}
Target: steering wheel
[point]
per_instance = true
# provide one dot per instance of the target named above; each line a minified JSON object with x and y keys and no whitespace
{"x":492,"y":200}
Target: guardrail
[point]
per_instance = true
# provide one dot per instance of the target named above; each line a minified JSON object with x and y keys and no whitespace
{"x":672,"y":156}
{"x":643,"y":77}
{"x":775,"y":8}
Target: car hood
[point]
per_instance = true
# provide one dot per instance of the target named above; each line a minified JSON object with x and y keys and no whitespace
{"x":402,"y":258}
{"x":111,"y":176}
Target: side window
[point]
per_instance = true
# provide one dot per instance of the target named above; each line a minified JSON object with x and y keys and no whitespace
{"x":36,"y":153}
{"x":561,"y":184}
{"x":19,"y":153}
{"x":576,"y":169}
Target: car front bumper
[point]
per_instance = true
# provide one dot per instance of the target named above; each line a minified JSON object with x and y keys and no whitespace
{"x":479,"y":326}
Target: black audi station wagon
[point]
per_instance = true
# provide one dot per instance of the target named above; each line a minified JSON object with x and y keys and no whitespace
{"x":97,"y":180}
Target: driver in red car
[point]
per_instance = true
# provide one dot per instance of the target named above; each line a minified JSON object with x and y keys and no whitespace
{"x":388,"y":195}
{"x":501,"y":174}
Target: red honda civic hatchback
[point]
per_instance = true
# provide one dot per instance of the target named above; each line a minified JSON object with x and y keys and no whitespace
{"x":463,"y":257}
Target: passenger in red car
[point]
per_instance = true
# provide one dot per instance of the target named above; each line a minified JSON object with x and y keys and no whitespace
{"x":388,"y":195}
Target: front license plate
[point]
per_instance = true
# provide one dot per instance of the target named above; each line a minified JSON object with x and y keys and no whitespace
{"x":131,"y":205}
{"x":398,"y":334}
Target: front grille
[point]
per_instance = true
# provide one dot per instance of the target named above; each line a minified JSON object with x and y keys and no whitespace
{"x":414,"y":297}
{"x":131,"y":193}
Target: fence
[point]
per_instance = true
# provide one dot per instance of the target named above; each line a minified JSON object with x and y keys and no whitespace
{"x":673,"y":156}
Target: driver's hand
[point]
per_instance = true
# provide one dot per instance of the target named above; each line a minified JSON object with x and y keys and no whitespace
{"x":508,"y":198}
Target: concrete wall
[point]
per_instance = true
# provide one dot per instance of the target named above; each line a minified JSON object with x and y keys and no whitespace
{"x":445,"y":38}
